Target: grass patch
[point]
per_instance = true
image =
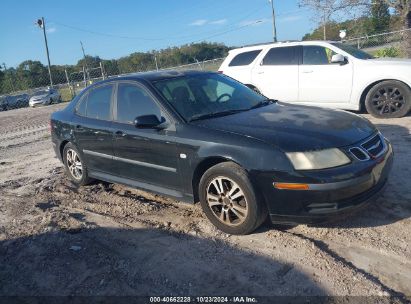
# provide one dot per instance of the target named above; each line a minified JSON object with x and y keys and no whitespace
{"x":65,"y":94}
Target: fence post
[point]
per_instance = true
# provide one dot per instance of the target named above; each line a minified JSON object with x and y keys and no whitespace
{"x":72,"y":92}
{"x":84,"y":77}
{"x":198,"y":63}
{"x":103,"y":73}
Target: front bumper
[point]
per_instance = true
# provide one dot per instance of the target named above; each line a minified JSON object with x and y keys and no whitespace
{"x":332,"y":192}
{"x":33,"y":103}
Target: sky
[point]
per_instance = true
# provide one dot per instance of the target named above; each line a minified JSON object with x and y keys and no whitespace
{"x":111,"y":29}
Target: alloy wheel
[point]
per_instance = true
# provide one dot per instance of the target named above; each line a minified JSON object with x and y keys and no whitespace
{"x":388,"y":100}
{"x":74,"y":164}
{"x":227,"y":201}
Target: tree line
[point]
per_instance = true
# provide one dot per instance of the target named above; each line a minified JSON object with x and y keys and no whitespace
{"x":33,"y":74}
{"x":375,"y":16}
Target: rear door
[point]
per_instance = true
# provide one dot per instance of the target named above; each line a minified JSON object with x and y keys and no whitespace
{"x":145,"y":155}
{"x":239,"y":66}
{"x":322,"y":81}
{"x":276,"y":76}
{"x":93,"y":128}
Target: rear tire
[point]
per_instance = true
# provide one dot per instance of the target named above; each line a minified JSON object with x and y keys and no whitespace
{"x":76,"y":169}
{"x":389,"y":99}
{"x":229,"y":200}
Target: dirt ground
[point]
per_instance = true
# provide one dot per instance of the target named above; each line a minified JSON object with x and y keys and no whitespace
{"x":105,"y":239}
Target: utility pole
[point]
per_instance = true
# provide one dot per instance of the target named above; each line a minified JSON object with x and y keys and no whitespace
{"x":274,"y":27}
{"x":42,"y":24}
{"x":85,"y":60}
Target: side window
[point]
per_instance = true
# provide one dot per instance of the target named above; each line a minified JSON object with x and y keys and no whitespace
{"x":317,"y":55}
{"x":281,"y":56}
{"x":98,"y":103}
{"x":82,"y":105}
{"x":133,"y":101}
{"x":244,"y":58}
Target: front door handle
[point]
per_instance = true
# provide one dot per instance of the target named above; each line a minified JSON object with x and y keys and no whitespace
{"x":79,"y":127}
{"x":308,"y":71}
{"x":261,"y":72}
{"x":121,"y":133}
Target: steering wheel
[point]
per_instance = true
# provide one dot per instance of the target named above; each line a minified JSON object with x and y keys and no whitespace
{"x":223,"y":95}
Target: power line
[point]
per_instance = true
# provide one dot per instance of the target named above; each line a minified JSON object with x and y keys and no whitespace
{"x":182,"y":39}
{"x":145,"y":38}
{"x":106,"y":34}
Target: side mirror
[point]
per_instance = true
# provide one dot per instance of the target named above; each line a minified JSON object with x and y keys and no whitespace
{"x":148,"y":122}
{"x":338,"y":58}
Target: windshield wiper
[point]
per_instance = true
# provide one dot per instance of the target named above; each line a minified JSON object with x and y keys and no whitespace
{"x":216,"y":114}
{"x":263,"y":103}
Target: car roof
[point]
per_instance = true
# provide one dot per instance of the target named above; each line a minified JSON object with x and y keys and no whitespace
{"x":277,"y":44}
{"x":156,"y":75}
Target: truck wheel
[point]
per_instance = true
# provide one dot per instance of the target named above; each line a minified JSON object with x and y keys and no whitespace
{"x":389,"y":99}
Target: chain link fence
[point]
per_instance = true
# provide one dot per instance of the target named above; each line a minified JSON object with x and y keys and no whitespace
{"x":392,"y":44}
{"x":67,"y":84}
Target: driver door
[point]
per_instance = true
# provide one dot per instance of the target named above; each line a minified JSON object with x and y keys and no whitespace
{"x":145,"y":155}
{"x":321,"y":81}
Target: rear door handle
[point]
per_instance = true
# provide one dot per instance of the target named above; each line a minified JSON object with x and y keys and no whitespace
{"x":79,"y":127}
{"x":262,"y":72}
{"x":121,"y":133}
{"x":308,"y":71}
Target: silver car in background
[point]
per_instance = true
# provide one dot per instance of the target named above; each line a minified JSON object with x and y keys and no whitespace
{"x":45,"y":97}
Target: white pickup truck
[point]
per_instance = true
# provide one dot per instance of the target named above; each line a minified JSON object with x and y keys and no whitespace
{"x":325,"y":74}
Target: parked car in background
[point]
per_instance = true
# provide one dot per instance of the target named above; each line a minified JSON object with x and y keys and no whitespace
{"x":45,"y":97}
{"x":201,"y":136}
{"x":14,"y":102}
{"x":325,"y":74}
{"x":3,"y":103}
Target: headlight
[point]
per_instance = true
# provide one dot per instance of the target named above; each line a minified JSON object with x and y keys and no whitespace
{"x":318,"y":159}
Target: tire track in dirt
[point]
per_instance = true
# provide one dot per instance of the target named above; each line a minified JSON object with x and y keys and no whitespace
{"x":323,"y":246}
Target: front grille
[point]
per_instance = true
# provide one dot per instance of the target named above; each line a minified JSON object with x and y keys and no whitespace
{"x":359,"y":154}
{"x":372,"y":148}
{"x":375,"y":146}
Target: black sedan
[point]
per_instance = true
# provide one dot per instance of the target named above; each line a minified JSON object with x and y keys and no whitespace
{"x":199,"y":136}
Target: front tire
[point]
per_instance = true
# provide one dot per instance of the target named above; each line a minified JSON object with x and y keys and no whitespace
{"x":229,"y":201}
{"x":75,"y":167}
{"x":389,"y":99}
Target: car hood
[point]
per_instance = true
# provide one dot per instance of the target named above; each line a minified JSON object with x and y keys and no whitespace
{"x":391,"y":61}
{"x":39,"y":97}
{"x":294,"y":128}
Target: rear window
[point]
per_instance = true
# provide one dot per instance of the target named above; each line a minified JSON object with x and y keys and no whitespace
{"x":244,"y":58}
{"x":282,"y":56}
{"x":96,"y":103}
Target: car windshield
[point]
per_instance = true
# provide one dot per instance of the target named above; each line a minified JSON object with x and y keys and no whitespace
{"x":208,"y":95}
{"x":357,"y":53}
{"x":43,"y":92}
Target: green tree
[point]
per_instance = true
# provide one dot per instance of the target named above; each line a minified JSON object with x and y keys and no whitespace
{"x":31,"y":74}
{"x":380,"y":16}
{"x":89,"y":61}
{"x":403,"y":11}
